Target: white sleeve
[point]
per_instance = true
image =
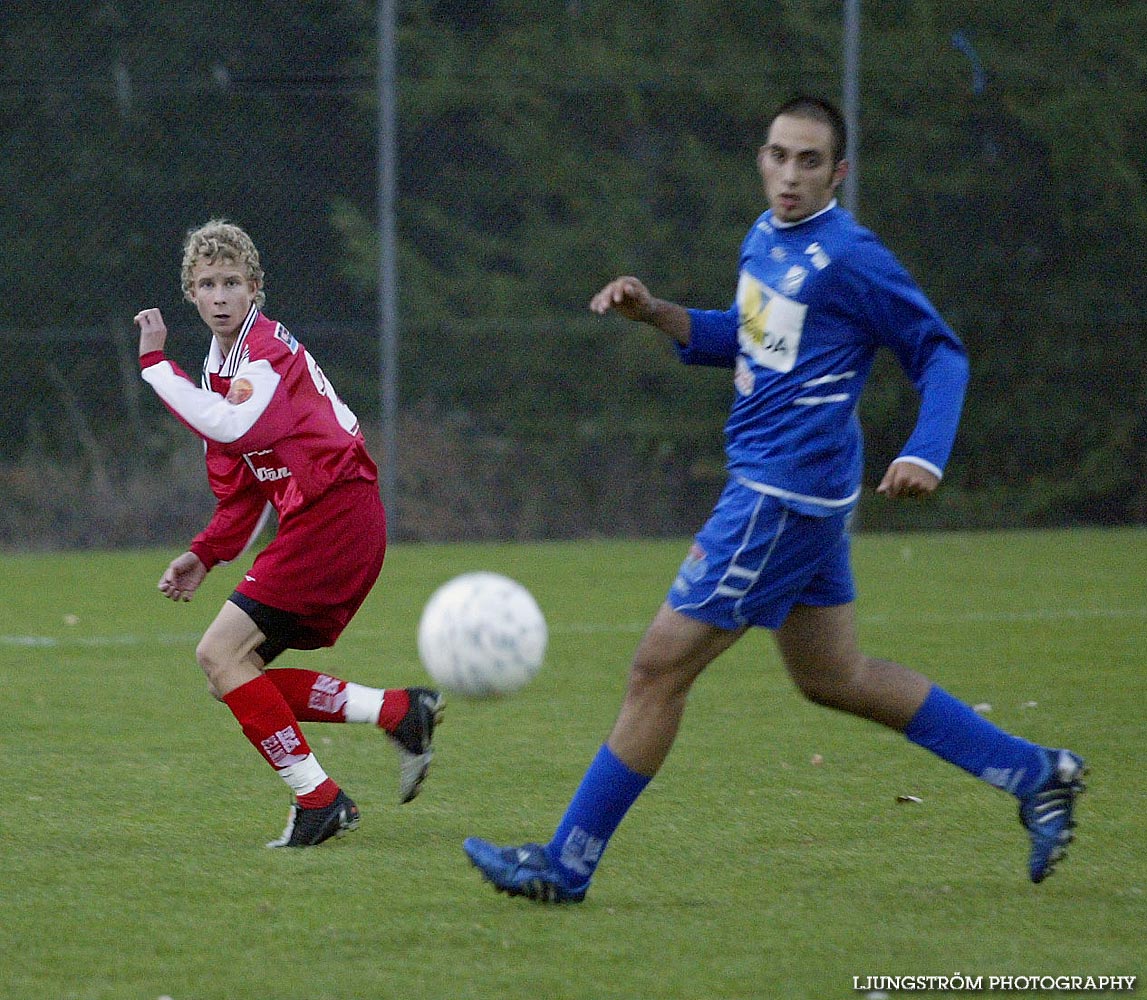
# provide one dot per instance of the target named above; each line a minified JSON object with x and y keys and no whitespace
{"x":207,"y":412}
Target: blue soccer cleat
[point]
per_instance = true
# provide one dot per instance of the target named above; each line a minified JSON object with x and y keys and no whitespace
{"x":1048,"y":813}
{"x":523,"y":871}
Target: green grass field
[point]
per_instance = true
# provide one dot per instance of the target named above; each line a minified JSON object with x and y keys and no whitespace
{"x":133,"y":813}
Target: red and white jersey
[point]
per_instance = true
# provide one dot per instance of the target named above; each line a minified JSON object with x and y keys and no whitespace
{"x":275,"y":430}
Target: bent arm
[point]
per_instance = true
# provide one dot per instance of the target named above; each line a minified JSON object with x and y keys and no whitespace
{"x":930,"y":353}
{"x":942,"y":380}
{"x":210,"y":415}
{"x":219,"y":418}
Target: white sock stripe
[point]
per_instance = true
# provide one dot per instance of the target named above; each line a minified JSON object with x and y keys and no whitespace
{"x":362,"y":703}
{"x":305,"y":776}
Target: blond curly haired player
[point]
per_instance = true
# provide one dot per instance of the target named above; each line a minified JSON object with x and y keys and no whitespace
{"x":278,"y":437}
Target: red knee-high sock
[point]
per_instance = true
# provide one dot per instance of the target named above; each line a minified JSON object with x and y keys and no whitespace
{"x":273,"y":730}
{"x":313,"y":697}
{"x":317,"y":697}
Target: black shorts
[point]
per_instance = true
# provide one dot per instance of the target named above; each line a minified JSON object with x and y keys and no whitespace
{"x":282,"y":629}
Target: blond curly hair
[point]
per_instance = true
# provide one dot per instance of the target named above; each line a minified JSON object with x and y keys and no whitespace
{"x":220,"y":240}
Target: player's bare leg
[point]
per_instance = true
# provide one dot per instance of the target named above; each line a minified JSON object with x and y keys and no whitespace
{"x":671,"y":655}
{"x":820,"y":651}
{"x":226,"y":654}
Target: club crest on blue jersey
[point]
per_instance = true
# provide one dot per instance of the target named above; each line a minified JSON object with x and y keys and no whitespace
{"x":793,"y":279}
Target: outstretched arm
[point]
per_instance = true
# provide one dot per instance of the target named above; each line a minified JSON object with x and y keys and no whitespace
{"x":629,"y":297}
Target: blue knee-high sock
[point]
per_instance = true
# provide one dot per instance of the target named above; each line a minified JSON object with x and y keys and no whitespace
{"x":958,"y":734}
{"x":600,"y":803}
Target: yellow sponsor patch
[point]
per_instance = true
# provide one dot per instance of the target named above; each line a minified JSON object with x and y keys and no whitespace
{"x":770,"y":324}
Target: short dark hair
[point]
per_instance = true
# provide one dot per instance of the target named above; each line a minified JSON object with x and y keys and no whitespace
{"x":819,"y":110}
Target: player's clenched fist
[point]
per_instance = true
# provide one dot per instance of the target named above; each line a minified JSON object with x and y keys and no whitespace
{"x":152,"y":331}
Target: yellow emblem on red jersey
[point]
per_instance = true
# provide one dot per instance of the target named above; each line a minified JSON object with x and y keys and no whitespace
{"x":241,"y":390}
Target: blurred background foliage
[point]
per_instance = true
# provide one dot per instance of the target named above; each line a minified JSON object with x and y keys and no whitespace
{"x":542,"y":150}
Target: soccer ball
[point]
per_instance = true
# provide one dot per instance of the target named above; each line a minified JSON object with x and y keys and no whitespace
{"x":482,"y":634}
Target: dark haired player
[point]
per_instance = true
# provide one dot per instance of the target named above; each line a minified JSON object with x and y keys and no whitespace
{"x":816,"y":298}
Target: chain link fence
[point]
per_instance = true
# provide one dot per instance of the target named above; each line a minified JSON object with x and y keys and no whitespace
{"x":520,"y":188}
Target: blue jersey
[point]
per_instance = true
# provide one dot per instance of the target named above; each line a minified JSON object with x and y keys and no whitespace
{"x":815,"y":301}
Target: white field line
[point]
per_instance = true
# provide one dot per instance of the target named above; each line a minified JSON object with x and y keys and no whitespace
{"x":1003,"y":617}
{"x":618,"y":628}
{"x":99,"y":641}
{"x":909,"y":617}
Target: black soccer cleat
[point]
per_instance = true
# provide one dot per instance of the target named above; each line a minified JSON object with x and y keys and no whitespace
{"x":413,"y":738}
{"x":310,"y":827}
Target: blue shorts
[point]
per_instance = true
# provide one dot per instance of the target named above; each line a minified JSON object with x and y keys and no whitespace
{"x":755,"y":559}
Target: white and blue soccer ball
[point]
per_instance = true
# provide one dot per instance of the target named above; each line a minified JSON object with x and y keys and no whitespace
{"x":482,"y":634}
